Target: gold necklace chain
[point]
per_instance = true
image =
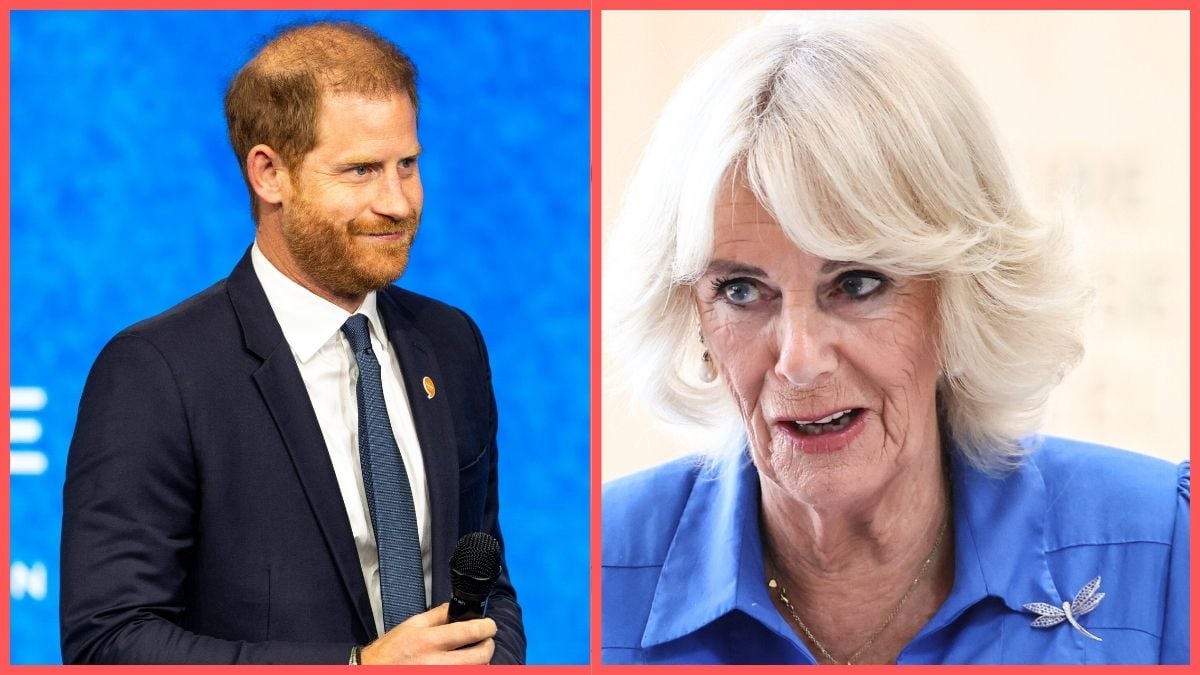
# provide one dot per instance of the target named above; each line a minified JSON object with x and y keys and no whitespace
{"x":772,"y":583}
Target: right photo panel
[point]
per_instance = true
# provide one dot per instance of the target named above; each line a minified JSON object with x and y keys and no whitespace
{"x":895,"y":337}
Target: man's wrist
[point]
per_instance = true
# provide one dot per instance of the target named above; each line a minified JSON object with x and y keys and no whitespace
{"x":356,"y":655}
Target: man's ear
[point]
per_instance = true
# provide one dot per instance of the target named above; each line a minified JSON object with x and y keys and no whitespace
{"x":267,"y":174}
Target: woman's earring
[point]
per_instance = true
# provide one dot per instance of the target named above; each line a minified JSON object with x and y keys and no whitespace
{"x":708,"y":372}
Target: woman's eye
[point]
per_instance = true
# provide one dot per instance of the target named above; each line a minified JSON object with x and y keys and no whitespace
{"x":737,"y":291}
{"x":858,"y":285}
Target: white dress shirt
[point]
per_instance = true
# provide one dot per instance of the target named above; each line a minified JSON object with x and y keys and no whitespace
{"x":312,"y":327}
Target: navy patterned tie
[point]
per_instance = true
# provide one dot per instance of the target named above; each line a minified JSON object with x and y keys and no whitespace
{"x":393,"y":516}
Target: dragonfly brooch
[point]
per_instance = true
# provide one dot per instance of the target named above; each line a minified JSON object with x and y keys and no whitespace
{"x":1085,"y":601}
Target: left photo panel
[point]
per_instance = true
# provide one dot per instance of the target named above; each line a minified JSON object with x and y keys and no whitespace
{"x":299,"y":337}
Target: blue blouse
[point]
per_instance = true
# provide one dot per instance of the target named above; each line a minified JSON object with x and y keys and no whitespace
{"x":683,"y":579}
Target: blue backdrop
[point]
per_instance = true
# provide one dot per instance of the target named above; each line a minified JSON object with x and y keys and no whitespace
{"x":127,"y":199}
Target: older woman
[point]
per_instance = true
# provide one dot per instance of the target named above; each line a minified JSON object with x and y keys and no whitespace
{"x":824,"y":232}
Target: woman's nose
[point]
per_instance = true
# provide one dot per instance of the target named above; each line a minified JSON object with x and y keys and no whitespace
{"x":807,"y":357}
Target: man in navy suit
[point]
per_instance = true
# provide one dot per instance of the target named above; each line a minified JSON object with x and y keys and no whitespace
{"x":215,"y":509}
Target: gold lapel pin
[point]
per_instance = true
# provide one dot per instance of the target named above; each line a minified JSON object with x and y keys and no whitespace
{"x":430,"y":390}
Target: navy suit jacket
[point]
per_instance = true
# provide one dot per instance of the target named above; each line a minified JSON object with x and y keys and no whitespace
{"x":202,"y":521}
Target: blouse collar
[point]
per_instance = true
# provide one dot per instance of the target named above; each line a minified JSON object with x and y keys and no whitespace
{"x":999,"y":535}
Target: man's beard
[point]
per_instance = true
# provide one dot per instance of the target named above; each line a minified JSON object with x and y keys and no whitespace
{"x":337,"y":260}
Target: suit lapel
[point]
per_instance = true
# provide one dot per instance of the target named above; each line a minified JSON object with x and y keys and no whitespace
{"x":279,"y":382}
{"x":435,"y":431}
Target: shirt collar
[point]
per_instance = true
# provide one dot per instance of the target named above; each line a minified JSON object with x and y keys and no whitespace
{"x":999,"y":547}
{"x":717,"y":540}
{"x":1000,"y":538}
{"x":307,"y":320}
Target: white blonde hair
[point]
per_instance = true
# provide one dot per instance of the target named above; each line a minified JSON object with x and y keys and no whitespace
{"x":866,"y":144}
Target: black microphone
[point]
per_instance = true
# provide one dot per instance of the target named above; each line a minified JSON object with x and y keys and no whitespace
{"x":474,"y":568}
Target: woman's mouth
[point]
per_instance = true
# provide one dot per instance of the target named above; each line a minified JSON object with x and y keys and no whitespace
{"x":828,"y":424}
{"x":828,"y":433}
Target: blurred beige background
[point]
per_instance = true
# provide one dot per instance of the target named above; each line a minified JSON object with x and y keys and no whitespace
{"x":1092,"y":108}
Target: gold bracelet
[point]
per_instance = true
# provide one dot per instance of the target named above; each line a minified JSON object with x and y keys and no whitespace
{"x":356,"y":655}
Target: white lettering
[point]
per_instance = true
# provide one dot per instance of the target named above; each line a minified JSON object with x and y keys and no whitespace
{"x":26,"y":399}
{"x":27,"y":463}
{"x":27,"y":581}
{"x":24,"y":430}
